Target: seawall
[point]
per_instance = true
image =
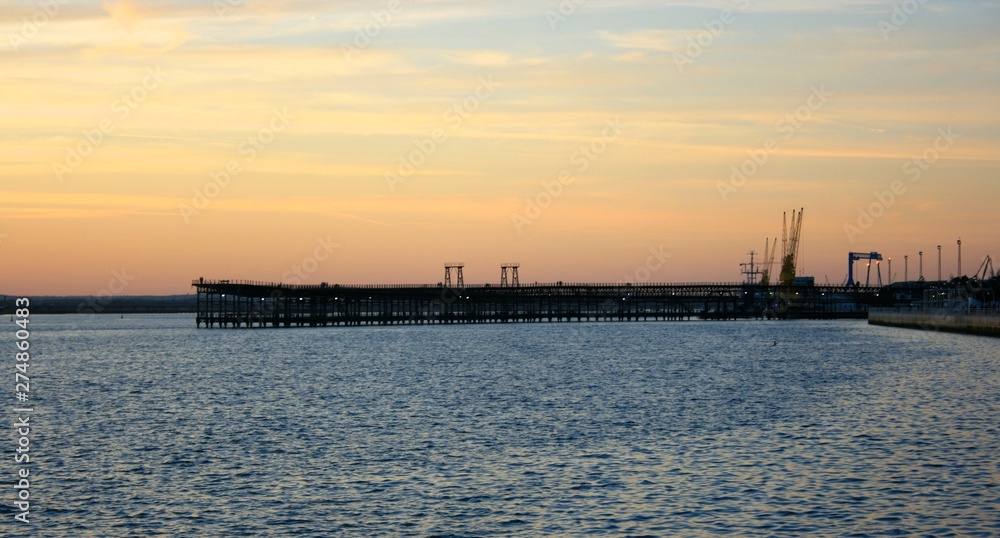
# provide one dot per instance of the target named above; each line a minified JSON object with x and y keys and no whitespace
{"x":985,"y":324}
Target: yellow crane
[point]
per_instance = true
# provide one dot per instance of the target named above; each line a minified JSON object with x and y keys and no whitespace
{"x":790,"y":236}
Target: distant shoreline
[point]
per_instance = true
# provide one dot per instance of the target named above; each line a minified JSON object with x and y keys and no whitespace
{"x":150,"y":304}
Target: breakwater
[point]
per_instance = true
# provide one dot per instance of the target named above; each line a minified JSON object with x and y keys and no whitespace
{"x":984,"y":323}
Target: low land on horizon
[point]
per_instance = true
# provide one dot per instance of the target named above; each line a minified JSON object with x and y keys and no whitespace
{"x":122,"y":304}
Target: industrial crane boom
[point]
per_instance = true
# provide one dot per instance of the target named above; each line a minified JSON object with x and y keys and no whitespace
{"x":791,"y":236}
{"x":769,"y":252}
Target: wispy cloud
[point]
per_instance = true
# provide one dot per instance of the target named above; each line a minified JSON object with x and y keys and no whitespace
{"x":355,"y":118}
{"x":649,"y":39}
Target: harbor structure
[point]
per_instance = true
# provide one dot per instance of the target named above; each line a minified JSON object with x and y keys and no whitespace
{"x":236,"y":304}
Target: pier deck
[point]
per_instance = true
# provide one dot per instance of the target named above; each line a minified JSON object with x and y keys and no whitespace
{"x":236,"y":304}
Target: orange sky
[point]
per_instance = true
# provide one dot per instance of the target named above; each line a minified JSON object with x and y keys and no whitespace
{"x":370,"y":142}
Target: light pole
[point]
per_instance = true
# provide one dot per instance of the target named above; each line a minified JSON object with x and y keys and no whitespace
{"x":939,"y":263}
{"x":906,"y":268}
{"x":890,"y":271}
{"x":959,"y":257}
{"x":921,"y":265}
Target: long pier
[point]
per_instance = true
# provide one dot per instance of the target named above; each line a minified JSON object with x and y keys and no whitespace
{"x":248,"y":304}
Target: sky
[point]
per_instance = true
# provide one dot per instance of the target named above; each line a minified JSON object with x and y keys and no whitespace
{"x":147,"y":144}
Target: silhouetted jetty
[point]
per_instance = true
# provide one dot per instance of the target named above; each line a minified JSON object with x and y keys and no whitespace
{"x":235,"y":304}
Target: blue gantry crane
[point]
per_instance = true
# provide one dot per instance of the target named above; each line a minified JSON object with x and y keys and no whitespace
{"x":871,"y":257}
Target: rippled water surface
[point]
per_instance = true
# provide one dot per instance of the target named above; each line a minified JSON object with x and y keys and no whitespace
{"x":146,"y":426}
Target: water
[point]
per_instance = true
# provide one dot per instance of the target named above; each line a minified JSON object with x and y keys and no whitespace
{"x":145,"y":426}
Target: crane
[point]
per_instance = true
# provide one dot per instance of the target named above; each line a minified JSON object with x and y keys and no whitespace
{"x":769,"y":251}
{"x":790,"y":237}
{"x":871,"y":257}
{"x":985,"y":269}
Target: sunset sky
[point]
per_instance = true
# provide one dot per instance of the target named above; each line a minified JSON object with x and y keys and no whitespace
{"x":370,"y":142}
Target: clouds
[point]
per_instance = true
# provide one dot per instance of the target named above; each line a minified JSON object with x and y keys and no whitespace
{"x":230,"y":68}
{"x":649,"y":39}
